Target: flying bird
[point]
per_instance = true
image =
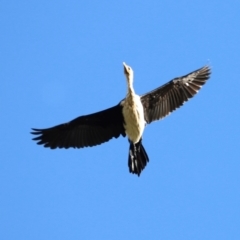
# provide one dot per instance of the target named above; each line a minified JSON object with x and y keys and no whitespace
{"x":128,"y":118}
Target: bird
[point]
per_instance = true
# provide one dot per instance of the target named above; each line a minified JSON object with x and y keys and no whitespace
{"x":128,"y":118}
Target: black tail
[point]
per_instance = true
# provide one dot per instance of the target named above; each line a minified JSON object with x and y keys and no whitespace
{"x":138,"y":158}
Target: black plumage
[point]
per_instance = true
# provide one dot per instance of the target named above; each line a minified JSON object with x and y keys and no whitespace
{"x":165,"y":99}
{"x":84,"y":131}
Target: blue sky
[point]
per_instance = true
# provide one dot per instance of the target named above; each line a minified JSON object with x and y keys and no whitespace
{"x":63,"y":59}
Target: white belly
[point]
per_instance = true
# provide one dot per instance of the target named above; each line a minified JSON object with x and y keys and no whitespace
{"x":134,"y":118}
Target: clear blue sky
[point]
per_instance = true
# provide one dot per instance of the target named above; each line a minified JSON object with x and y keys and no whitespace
{"x":63,"y":59}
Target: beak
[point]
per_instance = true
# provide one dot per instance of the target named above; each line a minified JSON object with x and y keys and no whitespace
{"x":125,"y":67}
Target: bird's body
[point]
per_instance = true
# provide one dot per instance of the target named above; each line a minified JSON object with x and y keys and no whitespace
{"x":129,"y":118}
{"x":133,"y":114}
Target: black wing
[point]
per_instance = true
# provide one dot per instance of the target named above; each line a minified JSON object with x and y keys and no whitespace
{"x":84,"y":131}
{"x":165,"y":99}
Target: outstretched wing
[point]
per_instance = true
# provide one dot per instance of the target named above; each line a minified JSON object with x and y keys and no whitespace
{"x":165,"y":99}
{"x":84,"y":131}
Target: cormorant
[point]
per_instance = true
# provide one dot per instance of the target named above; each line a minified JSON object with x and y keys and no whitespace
{"x":129,"y":117}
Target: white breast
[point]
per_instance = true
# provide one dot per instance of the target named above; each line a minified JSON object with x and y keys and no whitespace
{"x":134,"y":118}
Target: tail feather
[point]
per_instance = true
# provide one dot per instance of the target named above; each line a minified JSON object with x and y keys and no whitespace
{"x":137,"y":159}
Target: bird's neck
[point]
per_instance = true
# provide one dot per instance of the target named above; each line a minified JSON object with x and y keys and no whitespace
{"x":130,"y":90}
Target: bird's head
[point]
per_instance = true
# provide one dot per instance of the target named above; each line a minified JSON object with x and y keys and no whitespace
{"x":128,"y":73}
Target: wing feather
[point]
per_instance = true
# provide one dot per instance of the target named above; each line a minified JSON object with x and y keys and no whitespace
{"x":165,"y":99}
{"x":84,"y":131}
